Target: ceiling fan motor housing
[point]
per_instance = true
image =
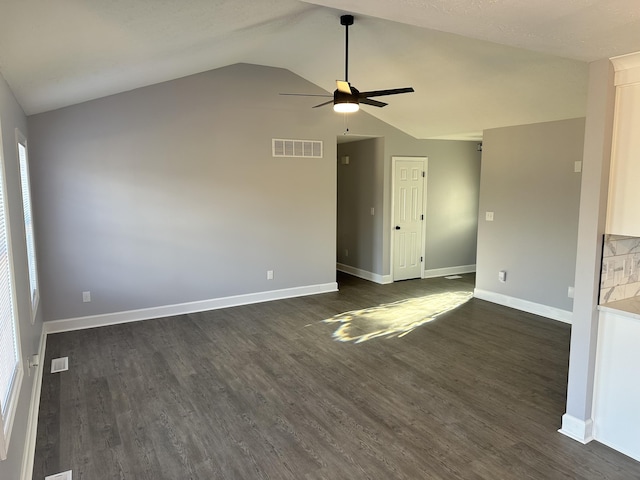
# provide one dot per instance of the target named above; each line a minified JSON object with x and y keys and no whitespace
{"x":345,"y":97}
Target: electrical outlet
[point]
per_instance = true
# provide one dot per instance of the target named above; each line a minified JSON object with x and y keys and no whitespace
{"x":373,"y":211}
{"x":570,"y":292}
{"x":489,"y":216}
{"x":269,"y":274}
{"x":86,"y":297}
{"x":502,"y":276}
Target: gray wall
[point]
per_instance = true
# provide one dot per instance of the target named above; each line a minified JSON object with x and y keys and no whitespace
{"x":169,"y":194}
{"x":453,"y":191}
{"x":12,"y":117}
{"x":528,"y":181}
{"x":592,"y":223}
{"x":453,"y":185}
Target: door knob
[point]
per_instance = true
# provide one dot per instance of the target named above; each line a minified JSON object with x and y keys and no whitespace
{"x":397,"y":227}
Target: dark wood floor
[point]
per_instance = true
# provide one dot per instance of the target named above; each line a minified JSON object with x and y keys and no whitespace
{"x":263,"y":391}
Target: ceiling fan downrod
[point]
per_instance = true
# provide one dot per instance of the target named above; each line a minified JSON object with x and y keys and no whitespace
{"x":346,"y":20}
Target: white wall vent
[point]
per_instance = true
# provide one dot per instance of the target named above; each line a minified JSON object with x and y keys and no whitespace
{"x":60,"y":476}
{"x":59,"y":365}
{"x":297,"y":148}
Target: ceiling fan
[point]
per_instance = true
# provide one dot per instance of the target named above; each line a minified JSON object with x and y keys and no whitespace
{"x":347,"y":98}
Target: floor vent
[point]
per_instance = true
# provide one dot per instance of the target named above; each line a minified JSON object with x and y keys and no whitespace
{"x":60,"y":476}
{"x":453,"y":277}
{"x":59,"y":365}
{"x":296,"y":148}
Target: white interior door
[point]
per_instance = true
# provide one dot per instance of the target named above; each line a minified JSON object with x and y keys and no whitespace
{"x":408,"y":217}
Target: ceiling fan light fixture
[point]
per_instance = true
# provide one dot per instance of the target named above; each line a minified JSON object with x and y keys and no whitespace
{"x":344,"y":102}
{"x":346,"y":107}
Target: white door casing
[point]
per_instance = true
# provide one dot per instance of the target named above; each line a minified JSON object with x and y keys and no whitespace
{"x":407,"y":239}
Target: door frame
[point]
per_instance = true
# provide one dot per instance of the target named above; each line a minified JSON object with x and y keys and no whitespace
{"x":425,"y":165}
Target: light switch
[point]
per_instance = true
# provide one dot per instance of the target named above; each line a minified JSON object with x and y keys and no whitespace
{"x":489,"y":217}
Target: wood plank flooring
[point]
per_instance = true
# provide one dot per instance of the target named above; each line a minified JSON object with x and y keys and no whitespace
{"x":264,"y":392}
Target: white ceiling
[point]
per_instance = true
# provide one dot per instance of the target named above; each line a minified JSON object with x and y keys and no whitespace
{"x":475,"y":64}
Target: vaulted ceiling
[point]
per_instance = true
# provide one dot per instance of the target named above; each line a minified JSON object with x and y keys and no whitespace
{"x":475,"y":64}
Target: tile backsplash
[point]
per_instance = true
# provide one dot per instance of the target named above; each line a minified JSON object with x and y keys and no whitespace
{"x":620,"y":275}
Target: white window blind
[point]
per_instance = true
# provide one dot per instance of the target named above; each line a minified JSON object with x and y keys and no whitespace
{"x":10,"y":365}
{"x":28,"y":222}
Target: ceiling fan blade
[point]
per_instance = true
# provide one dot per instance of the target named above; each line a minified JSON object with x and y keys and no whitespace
{"x":305,"y":95}
{"x":381,"y":93}
{"x":375,"y":103}
{"x":343,"y":86}
{"x":323,"y":104}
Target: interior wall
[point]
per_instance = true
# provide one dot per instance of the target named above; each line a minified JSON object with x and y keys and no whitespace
{"x":453,"y":191}
{"x":528,"y":181}
{"x":360,"y":188}
{"x":12,"y":117}
{"x":169,"y":194}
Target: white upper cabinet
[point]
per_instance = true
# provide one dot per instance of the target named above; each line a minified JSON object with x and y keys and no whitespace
{"x":623,"y":213}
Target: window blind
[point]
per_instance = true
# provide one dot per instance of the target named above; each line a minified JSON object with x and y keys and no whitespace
{"x":10,"y":365}
{"x":28,"y":225}
{"x":8,"y":339}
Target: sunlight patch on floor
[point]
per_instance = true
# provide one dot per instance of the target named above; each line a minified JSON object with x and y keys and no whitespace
{"x":394,"y":319}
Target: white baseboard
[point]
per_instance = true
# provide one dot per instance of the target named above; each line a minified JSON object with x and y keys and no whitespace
{"x":79,"y":323}
{"x":29,"y":451}
{"x":579,"y":430}
{"x":357,"y":272}
{"x":525,"y":305}
{"x":443,"y":272}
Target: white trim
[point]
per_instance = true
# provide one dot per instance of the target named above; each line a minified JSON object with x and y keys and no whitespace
{"x":425,"y":168}
{"x":626,"y":61}
{"x":525,"y":305}
{"x":442,"y":272}
{"x":627,"y":68}
{"x":357,"y":272}
{"x":579,"y":430}
{"x":79,"y":323}
{"x":29,"y":451}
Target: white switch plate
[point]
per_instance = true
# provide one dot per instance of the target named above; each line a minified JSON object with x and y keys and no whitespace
{"x":269,"y":274}
{"x":577,"y":166}
{"x":489,"y":216}
{"x":86,"y":297}
{"x":373,"y":211}
{"x":570,"y":292}
{"x":33,"y":360}
{"x":502,"y":276}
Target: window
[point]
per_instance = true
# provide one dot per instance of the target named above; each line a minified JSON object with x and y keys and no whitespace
{"x":10,"y":363}
{"x":25,"y":183}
